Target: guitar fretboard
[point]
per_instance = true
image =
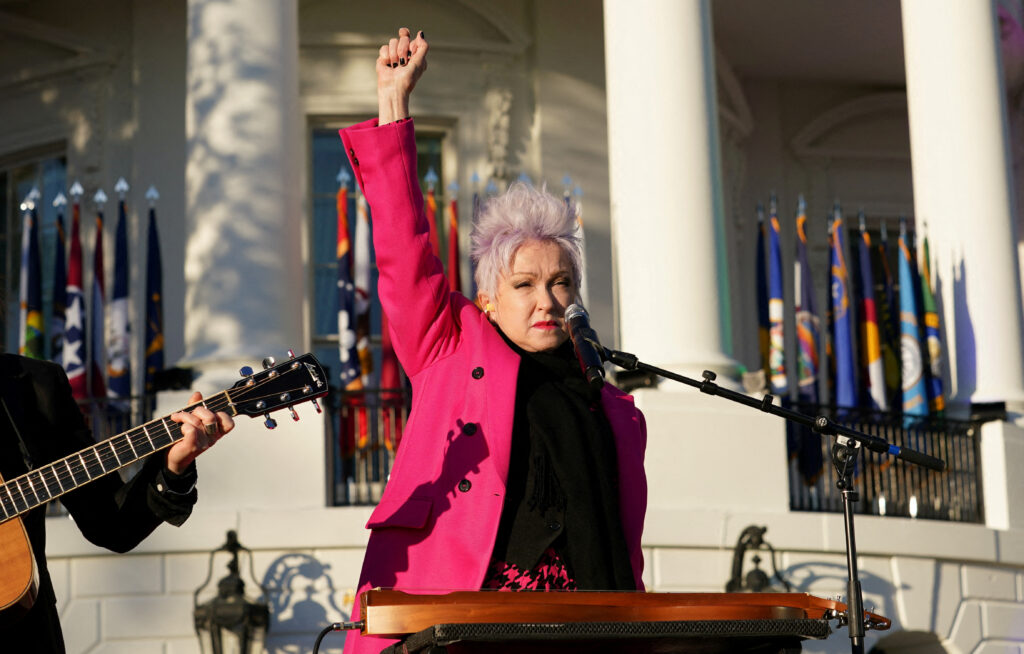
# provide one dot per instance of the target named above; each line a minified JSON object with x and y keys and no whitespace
{"x":43,"y":484}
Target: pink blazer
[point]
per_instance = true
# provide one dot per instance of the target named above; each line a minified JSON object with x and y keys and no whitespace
{"x":436,"y":523}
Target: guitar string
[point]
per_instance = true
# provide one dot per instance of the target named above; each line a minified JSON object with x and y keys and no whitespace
{"x":171,"y":429}
{"x":139,"y":435}
{"x":75,"y":468}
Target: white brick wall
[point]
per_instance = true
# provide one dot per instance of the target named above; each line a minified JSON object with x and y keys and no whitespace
{"x":143,"y":603}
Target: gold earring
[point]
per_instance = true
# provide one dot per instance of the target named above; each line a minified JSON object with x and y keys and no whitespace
{"x":488,"y":307}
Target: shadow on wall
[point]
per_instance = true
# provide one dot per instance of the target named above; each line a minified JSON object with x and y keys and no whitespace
{"x":909,"y":642}
{"x":966,"y":364}
{"x":300,"y":592}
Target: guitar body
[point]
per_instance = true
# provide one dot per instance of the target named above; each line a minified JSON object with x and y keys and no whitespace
{"x":19,"y":578}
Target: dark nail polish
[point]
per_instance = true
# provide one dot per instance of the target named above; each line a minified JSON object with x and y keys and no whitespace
{"x":409,"y":54}
{"x":401,"y":61}
{"x":394,"y":65}
{"x":422,"y":35}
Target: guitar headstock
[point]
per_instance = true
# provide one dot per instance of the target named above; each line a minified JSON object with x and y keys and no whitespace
{"x":299,"y":379}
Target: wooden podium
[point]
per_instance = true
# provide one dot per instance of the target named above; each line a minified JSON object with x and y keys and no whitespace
{"x":656,"y":623}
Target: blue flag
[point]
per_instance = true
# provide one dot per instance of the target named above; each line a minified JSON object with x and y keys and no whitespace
{"x":30,"y":336}
{"x":60,"y":281}
{"x":807,"y":445}
{"x":806,"y":317}
{"x":119,"y":376}
{"x":97,"y":347}
{"x":776,"y":305}
{"x":846,"y":386}
{"x":762,"y":293}
{"x":933,"y":335}
{"x":915,"y":396}
{"x":351,"y":374}
{"x":154,"y":306}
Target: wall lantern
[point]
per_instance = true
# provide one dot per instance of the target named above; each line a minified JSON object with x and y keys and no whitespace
{"x":231,"y":623}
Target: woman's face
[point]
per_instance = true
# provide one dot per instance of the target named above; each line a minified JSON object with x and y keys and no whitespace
{"x":531,"y":298}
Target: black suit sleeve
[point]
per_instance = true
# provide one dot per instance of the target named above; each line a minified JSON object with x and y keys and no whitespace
{"x":109,"y":513}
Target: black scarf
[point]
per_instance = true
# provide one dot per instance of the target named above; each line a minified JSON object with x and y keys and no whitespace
{"x":563,"y":481}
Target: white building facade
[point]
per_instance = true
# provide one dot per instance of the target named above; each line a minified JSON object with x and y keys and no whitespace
{"x":674,"y":118}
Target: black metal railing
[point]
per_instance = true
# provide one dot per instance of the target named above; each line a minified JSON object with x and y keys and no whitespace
{"x":364,"y":429}
{"x":886,"y":486}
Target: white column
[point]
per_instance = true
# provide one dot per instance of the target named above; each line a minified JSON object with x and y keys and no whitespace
{"x":963,"y":191}
{"x":665,"y":175}
{"x":243,"y":263}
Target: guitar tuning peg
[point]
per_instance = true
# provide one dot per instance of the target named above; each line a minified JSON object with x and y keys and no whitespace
{"x":269,"y":423}
{"x":295,"y":416}
{"x":268,"y":363}
{"x":291,"y":354}
{"x":245,"y":371}
{"x":317,"y":405}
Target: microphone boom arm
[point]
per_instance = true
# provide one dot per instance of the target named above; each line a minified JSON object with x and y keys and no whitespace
{"x":844,"y":453}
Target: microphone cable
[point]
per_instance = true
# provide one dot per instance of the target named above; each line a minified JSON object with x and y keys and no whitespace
{"x":337,"y":626}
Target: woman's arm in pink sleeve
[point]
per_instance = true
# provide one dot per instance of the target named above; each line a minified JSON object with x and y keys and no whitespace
{"x":413,"y":290}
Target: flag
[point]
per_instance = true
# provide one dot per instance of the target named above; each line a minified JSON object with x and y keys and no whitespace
{"x":119,"y":371}
{"x":353,"y":417}
{"x":60,"y":282}
{"x":431,"y":209}
{"x":915,"y":396}
{"x":762,"y":292}
{"x":829,"y":375}
{"x":845,"y":383}
{"x":873,"y":369}
{"x":888,"y":315}
{"x":776,"y":304}
{"x":30,"y":300}
{"x":154,"y":301}
{"x":933,"y":337}
{"x":351,"y":377}
{"x":807,"y":448}
{"x":97,"y":312}
{"x":806,"y":316}
{"x":361,"y":278}
{"x":474,"y":217}
{"x":392,"y":402}
{"x":454,"y":274}
{"x":75,"y":329}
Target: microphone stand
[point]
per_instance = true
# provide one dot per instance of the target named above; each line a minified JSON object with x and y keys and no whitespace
{"x":844,"y":456}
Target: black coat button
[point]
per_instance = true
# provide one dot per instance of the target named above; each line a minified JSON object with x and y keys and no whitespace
{"x":469,"y":428}
{"x":465,"y":485}
{"x":478,"y":372}
{"x":352,"y":153}
{"x":554,"y":525}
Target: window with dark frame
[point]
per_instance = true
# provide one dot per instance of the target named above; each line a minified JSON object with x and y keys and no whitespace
{"x":359,"y":463}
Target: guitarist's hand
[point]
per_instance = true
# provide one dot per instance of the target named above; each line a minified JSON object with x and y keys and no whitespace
{"x":200,"y":429}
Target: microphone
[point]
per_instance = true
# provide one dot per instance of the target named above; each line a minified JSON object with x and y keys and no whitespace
{"x":584,"y":341}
